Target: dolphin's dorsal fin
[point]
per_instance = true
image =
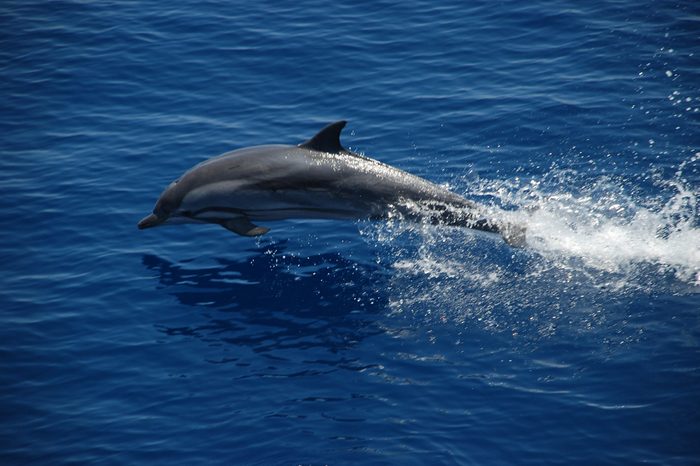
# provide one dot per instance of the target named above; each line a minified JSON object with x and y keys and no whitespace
{"x":327,"y":140}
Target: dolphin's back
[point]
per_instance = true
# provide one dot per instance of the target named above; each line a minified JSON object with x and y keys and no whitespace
{"x":321,"y":184}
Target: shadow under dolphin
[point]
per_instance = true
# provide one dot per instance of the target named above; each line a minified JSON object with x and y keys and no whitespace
{"x":273,"y":300}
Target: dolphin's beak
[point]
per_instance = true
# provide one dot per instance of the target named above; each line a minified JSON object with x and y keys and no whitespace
{"x":150,"y":221}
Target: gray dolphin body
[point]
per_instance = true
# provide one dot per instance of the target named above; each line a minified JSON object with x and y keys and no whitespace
{"x":316,"y":179}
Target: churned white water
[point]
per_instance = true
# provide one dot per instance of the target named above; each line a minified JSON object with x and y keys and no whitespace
{"x":591,"y":244}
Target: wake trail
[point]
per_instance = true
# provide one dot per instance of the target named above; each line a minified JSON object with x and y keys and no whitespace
{"x":594,"y":244}
{"x":611,"y":231}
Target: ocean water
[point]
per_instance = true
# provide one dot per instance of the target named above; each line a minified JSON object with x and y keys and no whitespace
{"x":329,"y":342}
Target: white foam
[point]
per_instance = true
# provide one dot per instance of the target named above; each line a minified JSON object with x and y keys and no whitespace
{"x":624,"y":234}
{"x":593,"y":243}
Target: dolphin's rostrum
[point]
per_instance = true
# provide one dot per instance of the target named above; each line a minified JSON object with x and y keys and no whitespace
{"x":316,"y":179}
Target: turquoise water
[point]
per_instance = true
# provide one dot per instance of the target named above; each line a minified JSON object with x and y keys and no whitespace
{"x":331,"y":342}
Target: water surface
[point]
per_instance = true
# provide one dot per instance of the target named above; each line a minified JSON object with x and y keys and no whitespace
{"x":342,"y":342}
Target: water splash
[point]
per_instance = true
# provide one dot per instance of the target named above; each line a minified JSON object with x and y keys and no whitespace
{"x":609,"y":227}
{"x":594,"y":244}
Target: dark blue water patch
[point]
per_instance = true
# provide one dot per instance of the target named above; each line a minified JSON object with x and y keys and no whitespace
{"x":296,"y":302}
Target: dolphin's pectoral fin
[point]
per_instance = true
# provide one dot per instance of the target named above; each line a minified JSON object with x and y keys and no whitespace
{"x":244,"y":227}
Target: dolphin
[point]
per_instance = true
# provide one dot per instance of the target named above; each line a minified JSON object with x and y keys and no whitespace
{"x":316,"y":179}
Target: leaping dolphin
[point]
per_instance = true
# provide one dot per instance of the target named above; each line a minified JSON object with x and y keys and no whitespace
{"x":316,"y":179}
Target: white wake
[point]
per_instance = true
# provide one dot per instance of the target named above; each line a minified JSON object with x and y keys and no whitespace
{"x":593,"y":244}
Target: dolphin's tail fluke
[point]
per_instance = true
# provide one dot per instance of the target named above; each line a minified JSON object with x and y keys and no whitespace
{"x":514,"y":235}
{"x":466,"y":215}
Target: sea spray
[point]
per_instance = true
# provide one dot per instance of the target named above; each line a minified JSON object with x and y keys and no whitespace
{"x":595,"y":244}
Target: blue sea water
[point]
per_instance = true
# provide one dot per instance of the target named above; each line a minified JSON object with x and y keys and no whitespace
{"x":328,"y":342}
